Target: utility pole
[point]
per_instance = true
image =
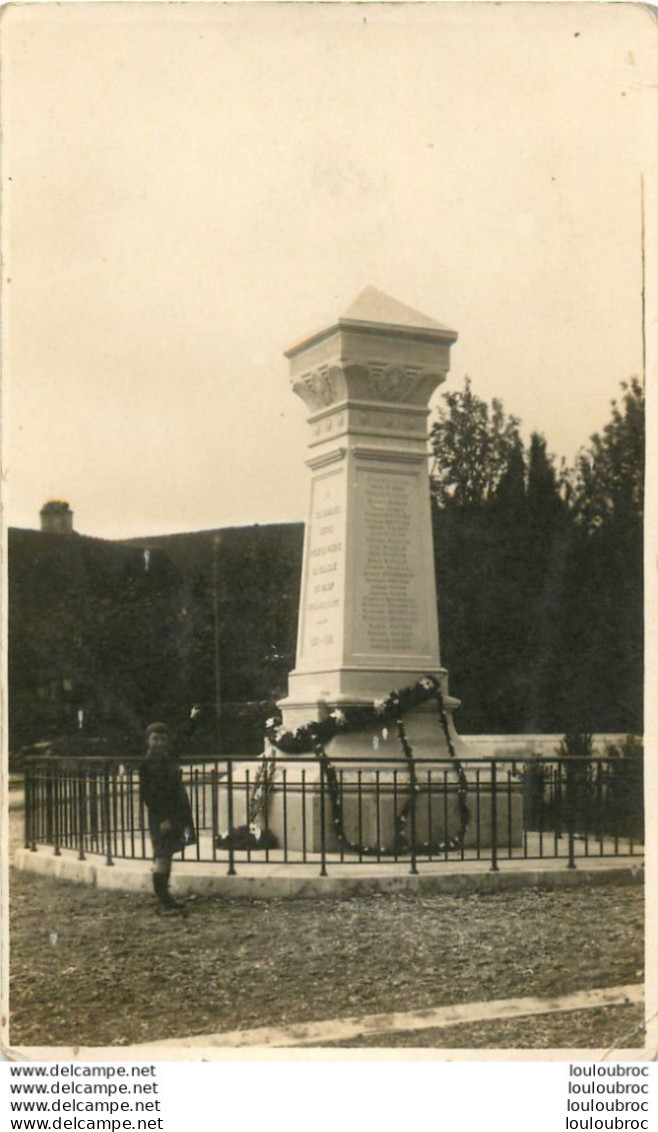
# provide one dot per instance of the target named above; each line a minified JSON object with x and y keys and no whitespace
{"x":644,"y":295}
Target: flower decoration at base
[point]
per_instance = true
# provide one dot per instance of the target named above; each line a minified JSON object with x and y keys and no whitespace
{"x":313,"y":736}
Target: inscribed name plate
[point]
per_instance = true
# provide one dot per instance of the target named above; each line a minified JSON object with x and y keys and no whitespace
{"x":392,"y":614}
{"x":323,"y":585}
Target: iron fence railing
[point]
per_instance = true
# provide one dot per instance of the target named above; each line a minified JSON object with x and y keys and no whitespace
{"x":312,"y":811}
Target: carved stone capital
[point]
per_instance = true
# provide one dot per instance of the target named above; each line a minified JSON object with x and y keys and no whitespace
{"x":321,"y":387}
{"x":376,"y":380}
{"x":402,"y":383}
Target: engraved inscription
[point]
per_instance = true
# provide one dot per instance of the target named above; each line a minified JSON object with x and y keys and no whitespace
{"x":389,"y":609}
{"x":324,"y":569}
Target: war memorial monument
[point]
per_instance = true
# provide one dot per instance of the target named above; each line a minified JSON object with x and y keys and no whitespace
{"x":368,"y":685}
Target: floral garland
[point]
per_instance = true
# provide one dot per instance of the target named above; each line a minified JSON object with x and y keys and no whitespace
{"x":252,"y":835}
{"x":313,"y":736}
{"x":260,"y":789}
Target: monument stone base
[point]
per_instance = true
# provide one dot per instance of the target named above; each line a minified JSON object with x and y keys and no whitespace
{"x":374,"y":792}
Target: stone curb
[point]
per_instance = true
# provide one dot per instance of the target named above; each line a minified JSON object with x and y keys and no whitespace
{"x":230,"y":1045}
{"x":464,"y":1014}
{"x":277,"y":881}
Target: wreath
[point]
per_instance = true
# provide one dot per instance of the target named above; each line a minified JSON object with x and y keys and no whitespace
{"x":313,"y":736}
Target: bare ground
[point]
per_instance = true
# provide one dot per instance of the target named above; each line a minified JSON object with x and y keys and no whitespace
{"x":94,"y":967}
{"x":611,"y":1027}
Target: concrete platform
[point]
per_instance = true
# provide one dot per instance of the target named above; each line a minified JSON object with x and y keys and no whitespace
{"x":276,"y":879}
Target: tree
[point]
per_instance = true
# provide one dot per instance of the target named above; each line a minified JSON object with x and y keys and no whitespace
{"x":609,"y":473}
{"x":510,"y":493}
{"x":604,"y":616}
{"x":501,"y":551}
{"x":472,"y":444}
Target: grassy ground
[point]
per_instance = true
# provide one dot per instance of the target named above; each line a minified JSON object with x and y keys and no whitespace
{"x":94,"y":967}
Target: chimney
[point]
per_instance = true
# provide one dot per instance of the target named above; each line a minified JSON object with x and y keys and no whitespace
{"x":56,"y":518}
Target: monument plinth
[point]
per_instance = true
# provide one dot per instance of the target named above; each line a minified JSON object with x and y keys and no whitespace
{"x":368,"y":612}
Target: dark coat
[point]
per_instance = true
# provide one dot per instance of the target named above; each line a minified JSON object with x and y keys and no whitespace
{"x":161,"y":790}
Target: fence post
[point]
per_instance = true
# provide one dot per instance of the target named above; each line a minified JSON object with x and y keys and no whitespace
{"x":412,"y":825}
{"x":107,"y":812}
{"x":231,"y":848}
{"x":494,"y":820}
{"x":323,"y":835}
{"x":37,"y":807}
{"x":214,"y":807}
{"x":571,"y":800}
{"x":80,"y":780}
{"x":28,"y":805}
{"x":55,"y":797}
{"x":28,"y":813}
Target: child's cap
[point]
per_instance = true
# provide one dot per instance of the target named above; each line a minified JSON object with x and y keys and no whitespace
{"x":157,"y":729}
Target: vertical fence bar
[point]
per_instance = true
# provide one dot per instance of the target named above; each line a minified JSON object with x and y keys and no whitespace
{"x":214,"y":810}
{"x":631,"y":808}
{"x":359,"y":803}
{"x":323,"y":832}
{"x":412,"y":830}
{"x":528,"y":805}
{"x":142,"y":823}
{"x":185,"y":786}
{"x":80,"y":781}
{"x":122,"y":807}
{"x":47,"y":780}
{"x":462,"y":847}
{"x":202,"y":823}
{"x":599,"y":806}
{"x":430,"y":851}
{"x":93,"y":810}
{"x":114,"y":817}
{"x":341,"y":795}
{"x":247,"y":816}
{"x":106,"y":818}
{"x":39,"y":830}
{"x":303,"y":788}
{"x":64,"y":813}
{"x":395,"y":813}
{"x":540,"y":807}
{"x":56,"y":814}
{"x":72,"y":808}
{"x":46,"y":823}
{"x":571,"y":820}
{"x":478,"y":815}
{"x":198,"y":812}
{"x":446,"y":838}
{"x":509,"y":813}
{"x":68,"y":812}
{"x":34,"y":807}
{"x":231,"y":847}
{"x":615,"y":813}
{"x":265,"y":793}
{"x":284,"y":806}
{"x":559,"y":816}
{"x":378,"y":824}
{"x":130,"y":786}
{"x":588,"y":805}
{"x":285,"y":814}
{"x":27,"y":805}
{"x":494,"y":819}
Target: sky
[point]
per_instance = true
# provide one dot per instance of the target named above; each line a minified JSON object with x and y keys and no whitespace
{"x":189,"y":189}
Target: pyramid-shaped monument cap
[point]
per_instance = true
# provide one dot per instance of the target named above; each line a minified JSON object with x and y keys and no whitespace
{"x":373,"y":312}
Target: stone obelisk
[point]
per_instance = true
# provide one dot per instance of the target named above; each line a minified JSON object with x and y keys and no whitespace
{"x":368,"y":620}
